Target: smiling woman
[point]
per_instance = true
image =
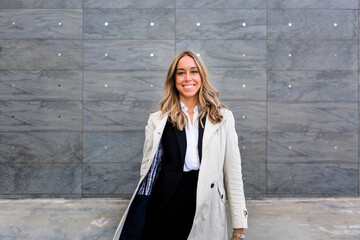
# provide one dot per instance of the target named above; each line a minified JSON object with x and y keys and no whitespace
{"x":188,"y":81}
{"x":191,"y":164}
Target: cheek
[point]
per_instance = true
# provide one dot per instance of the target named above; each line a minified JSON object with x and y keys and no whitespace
{"x":199,"y":80}
{"x":178,"y":80}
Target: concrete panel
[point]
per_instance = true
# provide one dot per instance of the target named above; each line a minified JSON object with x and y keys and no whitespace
{"x":106,"y":179}
{"x":228,"y":54}
{"x":249,"y":116}
{"x":299,"y":219}
{"x":221,"y":4}
{"x":270,"y":219}
{"x":113,"y":147}
{"x":312,"y":55}
{"x":253,"y":160}
{"x":51,"y":219}
{"x":31,"y":147}
{"x":236,"y":85}
{"x":313,"y":24}
{"x":6,"y":4}
{"x":313,"y":85}
{"x":40,"y":116}
{"x":220,"y":24}
{"x":41,"y":23}
{"x":130,"y":4}
{"x":312,"y":117}
{"x":298,"y":147}
{"x":124,"y":85}
{"x":316,"y":179}
{"x":314,"y":4}
{"x":117,"y":116}
{"x":129,"y":24}
{"x":41,"y":54}
{"x":40,"y":178}
{"x":40,"y":85}
{"x":125,"y":55}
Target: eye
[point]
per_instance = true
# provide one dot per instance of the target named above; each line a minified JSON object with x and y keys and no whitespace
{"x":194,"y":72}
{"x":180,"y":73}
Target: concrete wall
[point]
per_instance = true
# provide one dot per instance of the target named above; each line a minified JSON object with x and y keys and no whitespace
{"x":78,"y":79}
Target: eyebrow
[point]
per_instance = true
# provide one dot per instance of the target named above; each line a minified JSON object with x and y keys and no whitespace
{"x":184,"y":69}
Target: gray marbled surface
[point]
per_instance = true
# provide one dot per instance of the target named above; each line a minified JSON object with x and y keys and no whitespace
{"x":130,"y":4}
{"x":228,"y":54}
{"x":327,"y":179}
{"x":113,"y":147}
{"x":124,"y":85}
{"x":220,"y":24}
{"x":40,"y":116}
{"x":312,"y":55}
{"x":110,"y":178}
{"x":40,"y":85}
{"x":36,"y":147}
{"x":125,"y":55}
{"x":78,"y":80}
{"x":314,"y":4}
{"x":313,"y":24}
{"x":235,"y":85}
{"x":129,"y":24}
{"x":220,"y":4}
{"x":312,"y":117}
{"x":306,"y":86}
{"x":310,"y":147}
{"x":252,"y":147}
{"x":6,"y":4}
{"x":40,"y":178}
{"x":40,"y":54}
{"x":249,"y":116}
{"x":116,"y":116}
{"x":41,"y":23}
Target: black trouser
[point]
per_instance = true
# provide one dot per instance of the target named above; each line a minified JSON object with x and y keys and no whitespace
{"x":174,"y":221}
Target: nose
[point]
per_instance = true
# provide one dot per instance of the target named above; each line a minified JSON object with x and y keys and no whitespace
{"x":188,"y":76}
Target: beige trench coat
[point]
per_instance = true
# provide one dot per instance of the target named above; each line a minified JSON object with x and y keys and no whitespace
{"x":220,"y":177}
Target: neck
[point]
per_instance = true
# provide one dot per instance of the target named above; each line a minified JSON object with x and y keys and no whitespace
{"x":190,"y":103}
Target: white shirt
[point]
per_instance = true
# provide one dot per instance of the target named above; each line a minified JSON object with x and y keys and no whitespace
{"x":192,"y":161}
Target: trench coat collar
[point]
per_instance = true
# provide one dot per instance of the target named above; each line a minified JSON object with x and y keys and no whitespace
{"x":160,"y":123}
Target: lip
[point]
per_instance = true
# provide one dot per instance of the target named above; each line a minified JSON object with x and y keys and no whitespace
{"x":186,"y":86}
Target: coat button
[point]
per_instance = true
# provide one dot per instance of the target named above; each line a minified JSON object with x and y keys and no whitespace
{"x":212,"y":185}
{"x":222,"y":196}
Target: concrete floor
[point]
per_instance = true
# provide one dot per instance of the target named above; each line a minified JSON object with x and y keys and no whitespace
{"x":273,"y":219}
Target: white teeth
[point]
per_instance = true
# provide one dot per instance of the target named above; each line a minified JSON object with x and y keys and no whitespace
{"x":189,"y":86}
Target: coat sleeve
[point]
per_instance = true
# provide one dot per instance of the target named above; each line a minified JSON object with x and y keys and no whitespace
{"x":149,"y":130}
{"x":233,"y":176}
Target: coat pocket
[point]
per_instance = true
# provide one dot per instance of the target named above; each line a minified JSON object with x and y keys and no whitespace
{"x":222,"y":194}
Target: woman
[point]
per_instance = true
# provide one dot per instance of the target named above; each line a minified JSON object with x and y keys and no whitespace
{"x":191,"y":164}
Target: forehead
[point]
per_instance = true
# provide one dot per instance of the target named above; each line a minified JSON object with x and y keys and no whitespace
{"x":186,"y":62}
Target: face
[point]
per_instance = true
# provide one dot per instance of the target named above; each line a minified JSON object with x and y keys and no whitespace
{"x":187,"y":79}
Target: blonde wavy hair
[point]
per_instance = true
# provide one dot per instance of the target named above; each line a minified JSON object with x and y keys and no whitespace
{"x":208,"y":97}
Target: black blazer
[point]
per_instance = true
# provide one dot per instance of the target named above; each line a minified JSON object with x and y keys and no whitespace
{"x":172,"y":162}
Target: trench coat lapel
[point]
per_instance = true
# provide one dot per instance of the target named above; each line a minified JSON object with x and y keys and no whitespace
{"x":201,"y":134}
{"x":210,"y":128}
{"x":160,"y":123}
{"x":181,"y":139}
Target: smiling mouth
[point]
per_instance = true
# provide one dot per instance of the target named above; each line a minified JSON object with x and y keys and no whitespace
{"x":189,"y":86}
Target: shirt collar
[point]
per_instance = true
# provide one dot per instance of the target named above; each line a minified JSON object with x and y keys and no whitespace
{"x":185,"y":108}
